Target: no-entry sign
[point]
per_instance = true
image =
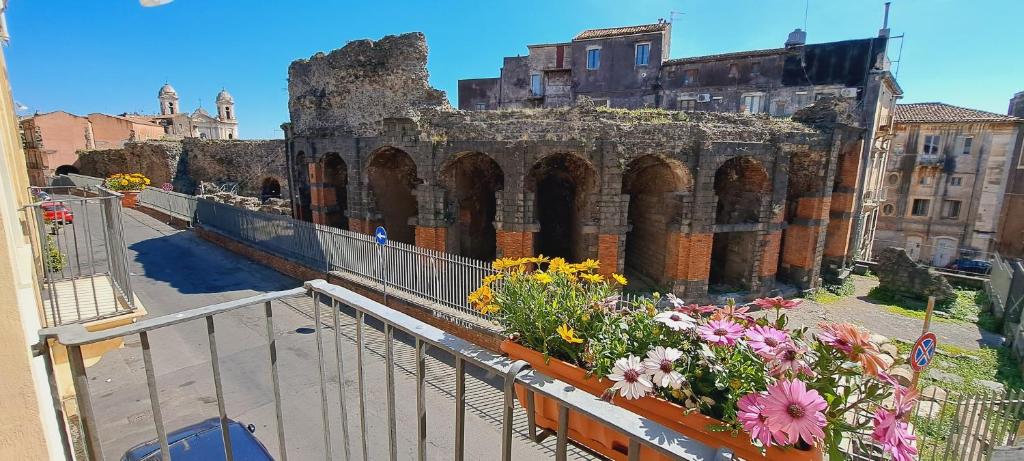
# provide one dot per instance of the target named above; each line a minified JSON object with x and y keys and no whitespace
{"x":923,"y":351}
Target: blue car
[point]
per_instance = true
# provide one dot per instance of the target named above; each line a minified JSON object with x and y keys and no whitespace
{"x":203,"y":442}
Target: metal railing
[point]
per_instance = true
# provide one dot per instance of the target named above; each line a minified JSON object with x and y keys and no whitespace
{"x":81,"y":255}
{"x":178,"y":205}
{"x":366,"y":431}
{"x":434,"y":276}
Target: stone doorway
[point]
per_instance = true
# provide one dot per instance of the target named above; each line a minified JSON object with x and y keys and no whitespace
{"x":741,"y":186}
{"x":562,"y":184}
{"x":336,"y":184}
{"x":391,"y":175}
{"x":472,"y":180}
{"x":652,"y":184}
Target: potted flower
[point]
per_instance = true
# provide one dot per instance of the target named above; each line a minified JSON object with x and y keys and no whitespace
{"x":722,"y":375}
{"x":129,"y":185}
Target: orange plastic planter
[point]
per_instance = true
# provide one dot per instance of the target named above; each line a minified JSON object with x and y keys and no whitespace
{"x":129,"y":198}
{"x":610,"y":443}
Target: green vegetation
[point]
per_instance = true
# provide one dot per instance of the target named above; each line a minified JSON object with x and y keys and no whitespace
{"x":830,"y":294}
{"x":964,"y":307}
{"x":970,"y":366}
{"x":55,"y":260}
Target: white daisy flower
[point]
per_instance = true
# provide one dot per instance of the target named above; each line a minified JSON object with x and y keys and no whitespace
{"x":677,"y":321}
{"x":631,"y":379}
{"x":660,"y":364}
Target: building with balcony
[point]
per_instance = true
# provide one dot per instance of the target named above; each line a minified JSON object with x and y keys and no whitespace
{"x":631,"y":67}
{"x":945,"y":181}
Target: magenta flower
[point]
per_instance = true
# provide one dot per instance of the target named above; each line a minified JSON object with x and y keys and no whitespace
{"x":790,"y":358}
{"x":894,"y":435}
{"x":776,"y":303}
{"x":692,"y":310}
{"x":795,"y":410}
{"x":764,"y":339}
{"x":723,"y":332}
{"x":755,"y":422}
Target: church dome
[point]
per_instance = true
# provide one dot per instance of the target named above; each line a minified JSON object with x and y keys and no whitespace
{"x":167,"y":90}
{"x":224,"y":96}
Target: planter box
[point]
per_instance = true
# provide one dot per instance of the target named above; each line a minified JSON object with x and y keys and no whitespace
{"x":610,"y":443}
{"x":129,"y":198}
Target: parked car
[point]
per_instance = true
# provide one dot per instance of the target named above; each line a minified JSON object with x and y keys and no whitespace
{"x":57,"y":212}
{"x":203,"y":442}
{"x":974,"y":266}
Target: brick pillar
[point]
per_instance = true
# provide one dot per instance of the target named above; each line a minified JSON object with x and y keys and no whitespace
{"x":515,"y":244}
{"x":431,"y":237}
{"x":804,"y":241}
{"x":842,"y":208}
{"x":318,"y":194}
{"x":771,"y":245}
{"x":608,"y":246}
{"x":688,"y":264}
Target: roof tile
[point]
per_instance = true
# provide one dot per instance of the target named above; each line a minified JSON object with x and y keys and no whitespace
{"x":937,"y":112}
{"x":619,"y":31}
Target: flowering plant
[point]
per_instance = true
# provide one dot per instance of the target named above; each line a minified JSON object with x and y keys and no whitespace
{"x":782,"y":386}
{"x":126,"y":182}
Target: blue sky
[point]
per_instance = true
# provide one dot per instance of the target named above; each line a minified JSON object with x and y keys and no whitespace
{"x":113,"y":55}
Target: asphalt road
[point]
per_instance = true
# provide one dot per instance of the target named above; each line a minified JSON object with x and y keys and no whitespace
{"x":173,"y":270}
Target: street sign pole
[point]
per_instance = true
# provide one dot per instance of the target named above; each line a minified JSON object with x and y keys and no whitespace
{"x":381,"y":237}
{"x":924,"y":331}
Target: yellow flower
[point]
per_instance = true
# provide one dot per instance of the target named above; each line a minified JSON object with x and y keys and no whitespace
{"x":492,"y":278}
{"x":588,"y":265}
{"x":620,"y":279}
{"x":506,"y":263}
{"x":568,"y":334}
{"x":124,"y":182}
{"x":489,"y":309}
{"x":559,"y":265}
{"x":592,"y":278}
{"x":542,"y":277}
{"x":539,"y":259}
{"x":481,"y":297}
{"x":146,"y":180}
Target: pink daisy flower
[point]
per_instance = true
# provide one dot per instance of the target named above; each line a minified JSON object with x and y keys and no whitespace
{"x":894,"y":435}
{"x":795,"y":410}
{"x":764,"y":339}
{"x":723,"y":332}
{"x":790,"y":358}
{"x":680,"y":306}
{"x":755,"y":422}
{"x":776,"y":303}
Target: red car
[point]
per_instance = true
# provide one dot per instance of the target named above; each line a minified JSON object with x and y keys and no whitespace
{"x":57,"y":212}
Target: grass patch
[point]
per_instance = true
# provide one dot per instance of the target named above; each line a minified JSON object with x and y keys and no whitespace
{"x":830,"y":294}
{"x":988,"y":363}
{"x":964,"y":307}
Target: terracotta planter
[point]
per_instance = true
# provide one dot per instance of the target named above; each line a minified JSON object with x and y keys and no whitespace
{"x":129,"y":198}
{"x":610,"y":443}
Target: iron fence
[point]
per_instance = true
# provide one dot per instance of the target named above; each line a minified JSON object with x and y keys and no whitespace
{"x":178,"y":205}
{"x":434,"y":276}
{"x":366,"y":430}
{"x":81,"y":255}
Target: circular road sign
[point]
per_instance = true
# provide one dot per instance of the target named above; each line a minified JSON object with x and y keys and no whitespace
{"x":923,"y":351}
{"x":381,"y":235}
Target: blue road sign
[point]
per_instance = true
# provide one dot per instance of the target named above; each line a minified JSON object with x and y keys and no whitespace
{"x":923,"y":351}
{"x":381,"y":235}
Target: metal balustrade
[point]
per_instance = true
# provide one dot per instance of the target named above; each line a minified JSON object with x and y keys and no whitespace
{"x":81,"y":255}
{"x":332,"y":303}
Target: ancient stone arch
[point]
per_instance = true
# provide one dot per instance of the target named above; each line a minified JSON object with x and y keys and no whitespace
{"x":335,"y":189}
{"x":654,"y":185}
{"x":561,"y":184}
{"x":742,"y":186}
{"x":472,"y":180}
{"x":391,"y":178}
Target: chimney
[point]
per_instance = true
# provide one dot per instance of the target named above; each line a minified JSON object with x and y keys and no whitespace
{"x":796,"y":38}
{"x":884,"y":31}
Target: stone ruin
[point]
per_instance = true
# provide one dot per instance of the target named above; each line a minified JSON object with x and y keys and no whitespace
{"x":272,"y":205}
{"x":900,"y":274}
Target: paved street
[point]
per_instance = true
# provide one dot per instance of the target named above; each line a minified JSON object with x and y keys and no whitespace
{"x":174,"y":271}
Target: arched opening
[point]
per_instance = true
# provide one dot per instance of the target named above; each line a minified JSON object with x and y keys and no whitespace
{"x":472,"y":180}
{"x":391,"y":174}
{"x":66,"y":169}
{"x":270,"y":188}
{"x":741,"y":183}
{"x":561,"y":184}
{"x":651,"y":183}
{"x":336,"y":186}
{"x":302,"y":195}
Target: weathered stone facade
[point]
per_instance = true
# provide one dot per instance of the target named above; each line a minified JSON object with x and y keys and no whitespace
{"x":681,"y":201}
{"x":254,"y":168}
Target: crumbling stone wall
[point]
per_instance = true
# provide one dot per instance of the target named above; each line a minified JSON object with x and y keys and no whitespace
{"x":588,"y":150}
{"x":354,"y":88}
{"x":158,"y":160}
{"x":247,"y":165}
{"x":900,"y":274}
